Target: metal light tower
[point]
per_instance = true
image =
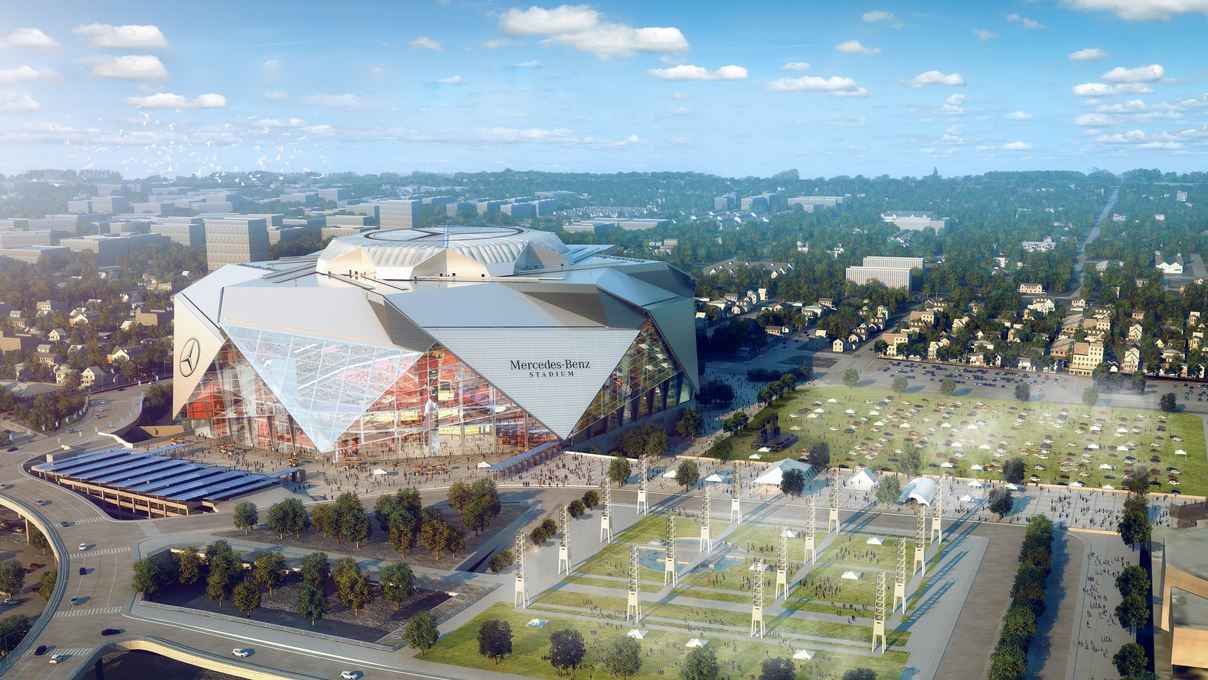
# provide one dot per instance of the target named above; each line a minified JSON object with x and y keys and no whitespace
{"x":606,"y":512}
{"x":782,"y":564}
{"x":669,"y":545}
{"x":521,"y":599}
{"x":757,"y":600}
{"x":811,"y":524}
{"x":634,"y":605}
{"x":833,"y":518}
{"x":736,"y":503}
{"x":899,"y":578}
{"x":564,"y":541}
{"x":643,"y":504}
{"x":936,"y":534}
{"x":706,"y":522}
{"x":920,"y":540}
{"x":878,"y":621}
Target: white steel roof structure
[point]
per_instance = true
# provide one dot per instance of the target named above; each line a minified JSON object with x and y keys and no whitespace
{"x":546,"y":324}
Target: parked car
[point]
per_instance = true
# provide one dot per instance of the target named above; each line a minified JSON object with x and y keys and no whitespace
{"x":351,"y":675}
{"x":111,"y":631}
{"x":241,"y":652}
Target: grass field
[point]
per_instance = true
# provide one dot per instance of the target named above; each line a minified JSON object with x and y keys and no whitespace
{"x":662,"y":651}
{"x":1058,"y":443}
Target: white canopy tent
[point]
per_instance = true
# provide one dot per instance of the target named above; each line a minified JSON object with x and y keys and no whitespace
{"x":696,"y":642}
{"x":636,"y":634}
{"x":920,"y":489}
{"x":379,"y":472}
{"x":803,"y":655}
{"x":775,"y":473}
{"x":483,"y":465}
{"x":851,"y":575}
{"x":863,"y":480}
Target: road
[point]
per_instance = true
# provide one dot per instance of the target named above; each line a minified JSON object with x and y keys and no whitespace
{"x":1080,"y":262}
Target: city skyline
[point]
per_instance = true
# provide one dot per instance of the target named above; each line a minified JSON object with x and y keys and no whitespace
{"x":893,"y":88}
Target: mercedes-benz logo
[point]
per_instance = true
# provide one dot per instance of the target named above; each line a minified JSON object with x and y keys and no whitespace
{"x":190,"y":356}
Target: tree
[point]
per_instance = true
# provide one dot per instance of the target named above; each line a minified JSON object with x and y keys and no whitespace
{"x":268,"y":570}
{"x":146,"y":578}
{"x":38,"y":540}
{"x":618,"y":470}
{"x":851,"y":377}
{"x":495,"y":639}
{"x":723,"y":449}
{"x":225,"y":568}
{"x":735,"y":422}
{"x":576,"y":508}
{"x":1090,"y":396}
{"x":1137,"y":482}
{"x":689,"y":424}
{"x":1130,"y":660}
{"x":398,"y":583}
{"x":819,"y":455}
{"x":1168,"y":402}
{"x":352,"y":586}
{"x":900,"y":383}
{"x":246,"y":517}
{"x":700,"y":664}
{"x":188,"y":565}
{"x":910,"y":461}
{"x":1018,"y":627}
{"x":315,"y":569}
{"x":13,"y":629}
{"x":1013,"y":471}
{"x":624,"y":658}
{"x":355,"y":525}
{"x":434,"y":536}
{"x":1023,"y":391}
{"x":860,"y":674}
{"x":246,"y":598}
{"x":483,"y":506}
{"x":889,"y":489}
{"x":657,"y":443}
{"x":46,"y":584}
{"x":590,"y":499}
{"x":1134,"y":526}
{"x":1001,"y":502}
{"x":312,"y":603}
{"x":566,"y":650}
{"x":1133,"y":611}
{"x":947,"y":387}
{"x":459,"y":494}
{"x":500,"y":561}
{"x":420,"y":632}
{"x":402,"y":529}
{"x":12,"y":577}
{"x":288,"y":517}
{"x":1133,"y":579}
{"x":792,"y":483}
{"x":687,"y":474}
{"x":777,"y":669}
{"x":1007,"y":663}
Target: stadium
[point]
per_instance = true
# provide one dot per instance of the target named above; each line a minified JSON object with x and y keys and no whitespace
{"x":416,"y":343}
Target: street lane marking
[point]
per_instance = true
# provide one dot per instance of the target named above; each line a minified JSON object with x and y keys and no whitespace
{"x":90,"y":611}
{"x":102,"y":551}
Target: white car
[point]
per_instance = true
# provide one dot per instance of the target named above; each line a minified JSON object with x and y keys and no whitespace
{"x":83,"y":546}
{"x":351,"y":675}
{"x":241,"y":652}
{"x":57,"y":658}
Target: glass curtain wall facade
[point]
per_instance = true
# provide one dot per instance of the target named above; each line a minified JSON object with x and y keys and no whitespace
{"x":302,"y":394}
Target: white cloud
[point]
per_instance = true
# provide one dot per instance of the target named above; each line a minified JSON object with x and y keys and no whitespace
{"x":855,"y":47}
{"x":1141,"y":10}
{"x":1016,"y":146}
{"x":280,"y":122}
{"x":425,"y":43}
{"x":336,"y":101}
{"x":881,"y":17}
{"x":32,"y":38}
{"x":837,"y":86}
{"x":582,"y":28}
{"x":128,"y":37}
{"x":496,"y":44}
{"x":455,"y":79}
{"x":1030,"y":24}
{"x":691,"y":72}
{"x":954,"y":105}
{"x":1105,"y":90}
{"x":1019,"y":115}
{"x":1088,"y":54}
{"x":25,"y":74}
{"x":796,"y":66}
{"x":168,"y":100}
{"x":530,"y":64}
{"x":271,"y":65}
{"x":936,"y":78}
{"x":17,"y":102}
{"x":1093,"y":120}
{"x":275,"y":95}
{"x":131,"y":67}
{"x":984,"y":34}
{"x":1141,"y":74}
{"x":1123,"y":137}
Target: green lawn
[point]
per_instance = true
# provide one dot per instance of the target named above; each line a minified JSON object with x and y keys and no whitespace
{"x":661,"y":657}
{"x":1069,"y":442}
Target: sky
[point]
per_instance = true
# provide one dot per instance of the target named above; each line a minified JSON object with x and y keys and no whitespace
{"x":729,"y":88}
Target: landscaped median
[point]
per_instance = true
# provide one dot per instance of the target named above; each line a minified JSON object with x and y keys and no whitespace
{"x":1028,"y":594}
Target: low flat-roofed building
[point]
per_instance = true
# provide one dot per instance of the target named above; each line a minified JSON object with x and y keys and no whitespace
{"x":39,"y":237}
{"x":109,"y":248}
{"x":36,"y":254}
{"x":914,"y":220}
{"x":1180,"y":581}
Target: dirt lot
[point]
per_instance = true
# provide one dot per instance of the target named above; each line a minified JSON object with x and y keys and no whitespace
{"x":14,"y":547}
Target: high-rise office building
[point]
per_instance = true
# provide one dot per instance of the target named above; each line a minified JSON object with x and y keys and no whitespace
{"x":235,"y":239}
{"x":399,"y":214}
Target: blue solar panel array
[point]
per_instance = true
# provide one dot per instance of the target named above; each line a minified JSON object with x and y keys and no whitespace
{"x":151,"y":473}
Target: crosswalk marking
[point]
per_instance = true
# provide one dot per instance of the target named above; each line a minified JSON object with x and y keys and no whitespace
{"x":90,"y":611}
{"x":103,"y":551}
{"x":89,"y":520}
{"x":73,"y":651}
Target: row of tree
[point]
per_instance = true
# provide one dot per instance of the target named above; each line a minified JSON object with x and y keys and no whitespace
{"x":1010,"y":658}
